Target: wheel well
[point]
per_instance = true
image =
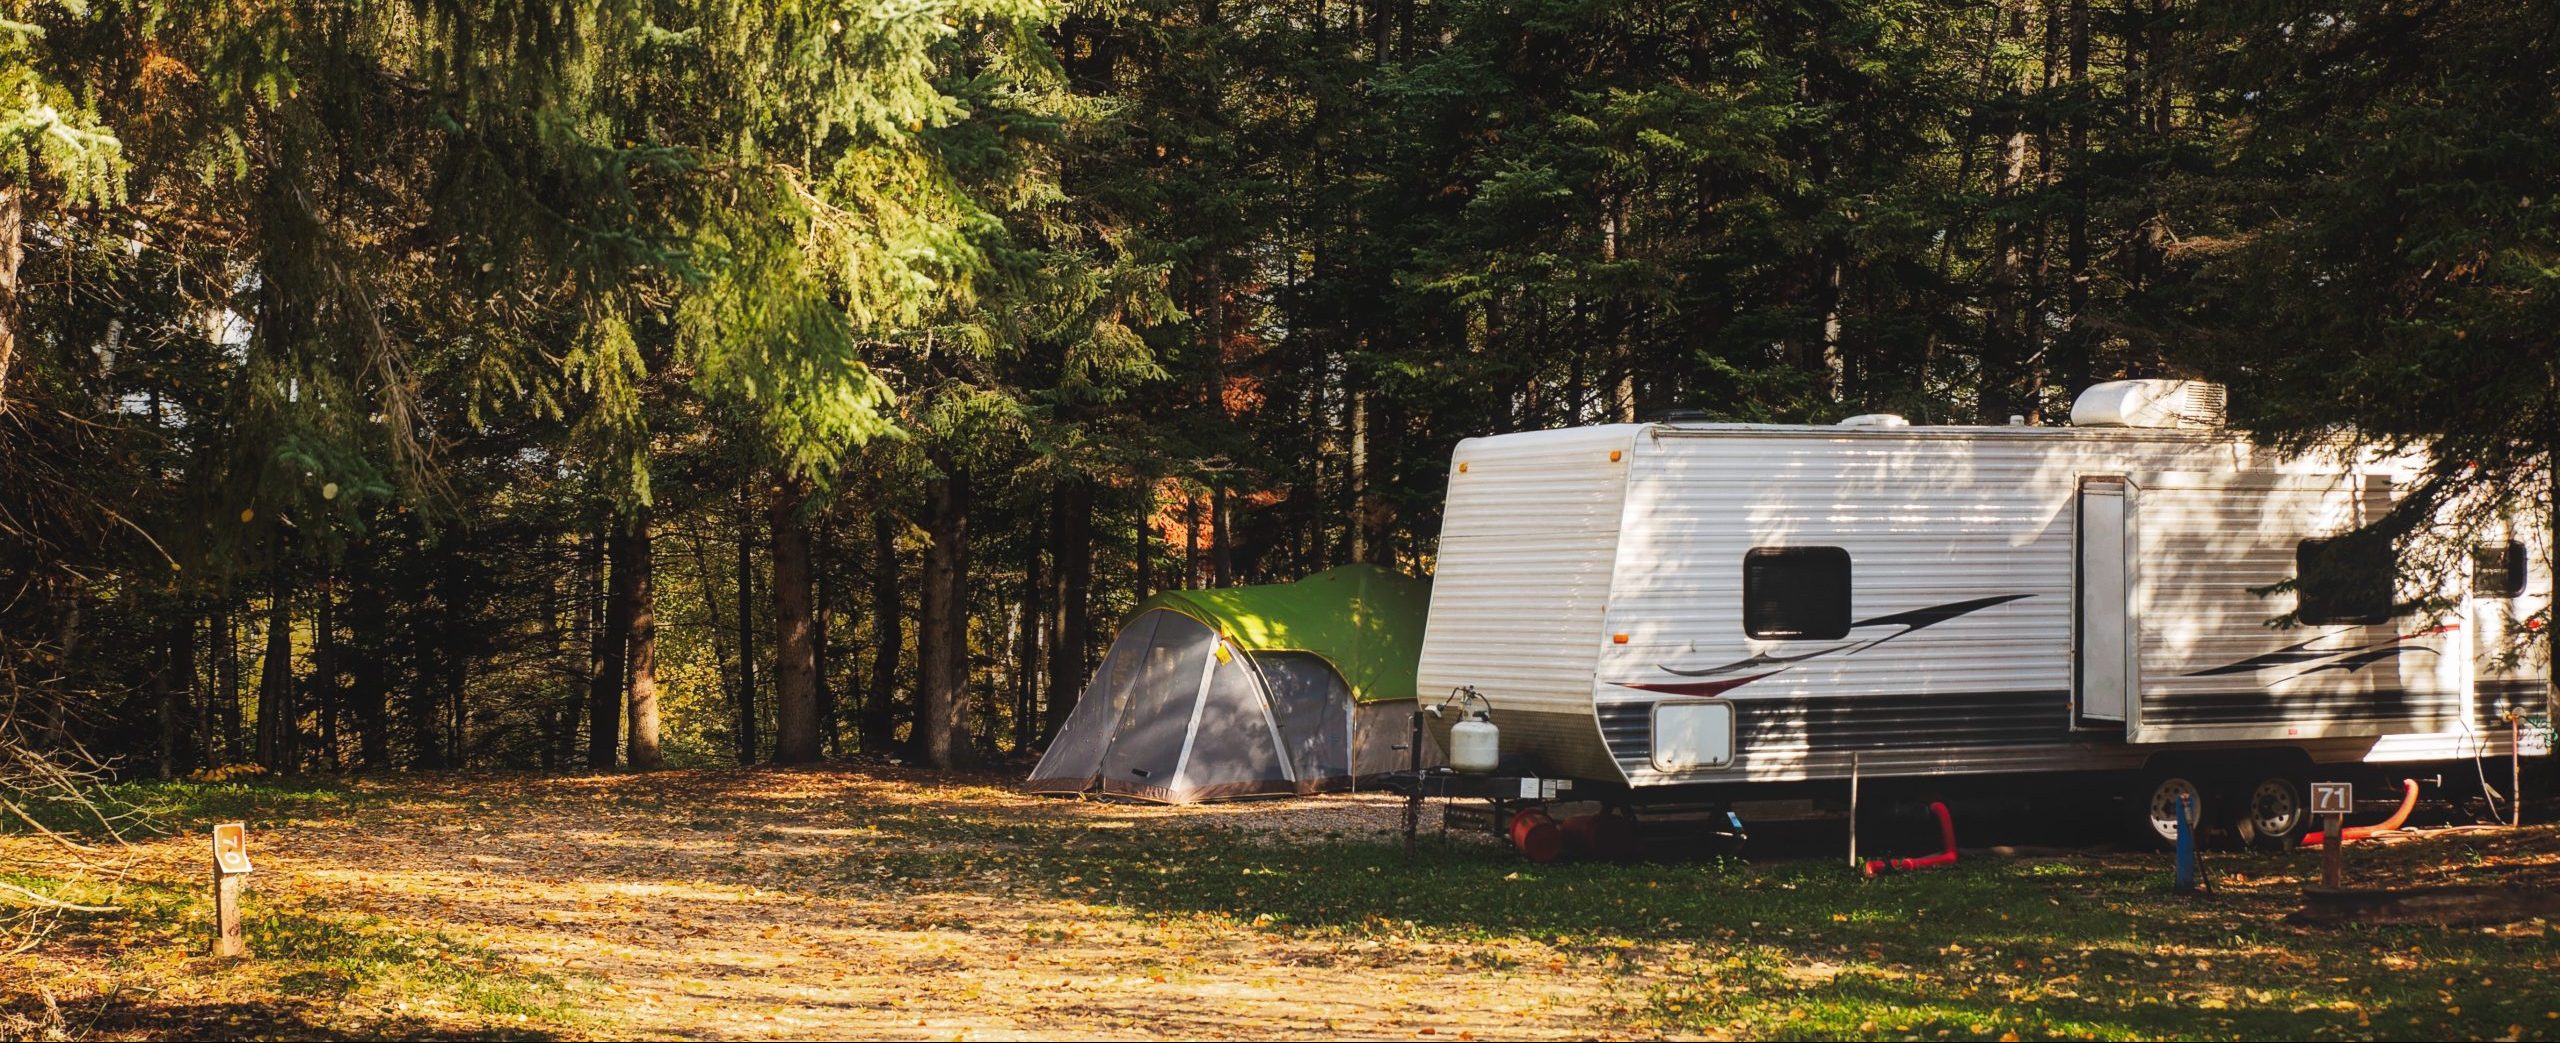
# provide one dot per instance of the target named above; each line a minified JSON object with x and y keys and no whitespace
{"x":2226,"y":763}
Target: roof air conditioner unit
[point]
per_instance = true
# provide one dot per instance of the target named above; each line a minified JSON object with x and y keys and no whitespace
{"x":2186,"y":404}
{"x":1874,"y":420}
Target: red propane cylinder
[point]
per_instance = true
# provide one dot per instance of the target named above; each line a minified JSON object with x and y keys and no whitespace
{"x":1536,"y":836}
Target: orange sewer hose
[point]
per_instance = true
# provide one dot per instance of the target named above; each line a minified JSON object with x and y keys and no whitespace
{"x":1946,"y":834}
{"x":2351,"y":834}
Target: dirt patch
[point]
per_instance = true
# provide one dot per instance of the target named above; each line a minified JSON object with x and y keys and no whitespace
{"x":754,"y":904}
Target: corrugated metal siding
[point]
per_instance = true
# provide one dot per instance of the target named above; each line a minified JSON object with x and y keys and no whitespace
{"x":1930,"y":517}
{"x":2208,"y":541}
{"x":1925,"y":523}
{"x":1814,"y":738}
{"x":1526,"y":546}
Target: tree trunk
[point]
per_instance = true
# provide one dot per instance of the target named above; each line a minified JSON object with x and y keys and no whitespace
{"x":455,"y":589}
{"x":457,"y":677}
{"x":324,"y":663}
{"x":1622,"y":363}
{"x":166,"y":693}
{"x":1360,"y":476}
{"x":821,"y":619}
{"x":371,"y":693}
{"x":2004,"y":353}
{"x":746,"y":635}
{"x":1146,"y":546}
{"x":226,"y":679}
{"x":1071,"y":570}
{"x":635,"y":585}
{"x":888,"y":615}
{"x":1222,"y":561}
{"x":1026,"y":662}
{"x":611,"y":654}
{"x":277,"y":731}
{"x":2076,"y":340}
{"x":202,"y":749}
{"x":190,"y":695}
{"x":943,"y":641}
{"x":586,"y":620}
{"x":1190,"y":539}
{"x":709,"y":578}
{"x":795,"y":664}
{"x":13,"y":219}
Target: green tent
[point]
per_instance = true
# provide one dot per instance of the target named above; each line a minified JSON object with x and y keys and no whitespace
{"x":1363,"y":620}
{"x":1286,"y":688}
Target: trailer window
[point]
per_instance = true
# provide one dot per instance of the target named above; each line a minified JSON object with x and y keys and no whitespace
{"x":1795,"y":593}
{"x":2345,"y":581}
{"x":2497,"y":569}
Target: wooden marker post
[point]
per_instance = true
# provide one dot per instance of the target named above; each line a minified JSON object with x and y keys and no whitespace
{"x":230,"y":863}
{"x":2333,"y":800}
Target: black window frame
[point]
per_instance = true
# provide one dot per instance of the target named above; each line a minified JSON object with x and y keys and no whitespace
{"x":2512,"y":567}
{"x":2325,"y":603}
{"x":1798,"y":626}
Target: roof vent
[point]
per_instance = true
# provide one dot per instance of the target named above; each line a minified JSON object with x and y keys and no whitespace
{"x":1875,"y":420}
{"x":2185,"y":404}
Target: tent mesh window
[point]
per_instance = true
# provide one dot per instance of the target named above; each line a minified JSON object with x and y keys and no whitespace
{"x":1795,"y":593}
{"x":1230,"y":748}
{"x":1146,"y":743}
{"x":1314,"y":709}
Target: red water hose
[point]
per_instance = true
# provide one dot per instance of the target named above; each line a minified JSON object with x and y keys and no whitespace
{"x":2351,"y":834}
{"x":1946,"y":833}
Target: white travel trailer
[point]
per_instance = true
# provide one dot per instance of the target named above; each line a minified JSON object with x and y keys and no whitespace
{"x":1710,"y":611}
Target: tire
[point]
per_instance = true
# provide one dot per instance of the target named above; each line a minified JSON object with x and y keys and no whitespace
{"x":2150,"y":807}
{"x":2271,"y":811}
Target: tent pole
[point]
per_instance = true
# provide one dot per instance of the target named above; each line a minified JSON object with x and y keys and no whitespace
{"x":1199,"y":700}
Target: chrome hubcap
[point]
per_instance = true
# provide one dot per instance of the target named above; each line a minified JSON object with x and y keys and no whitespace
{"x":2273,"y":808}
{"x":2164,"y":806}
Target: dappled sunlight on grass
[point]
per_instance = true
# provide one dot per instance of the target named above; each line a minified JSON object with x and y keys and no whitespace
{"x":796,"y":903}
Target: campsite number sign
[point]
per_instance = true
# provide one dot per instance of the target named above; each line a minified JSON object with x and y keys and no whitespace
{"x":231,"y":848}
{"x":230,"y":863}
{"x":2333,"y":800}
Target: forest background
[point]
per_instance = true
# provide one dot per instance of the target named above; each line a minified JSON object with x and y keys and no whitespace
{"x":543,"y":383}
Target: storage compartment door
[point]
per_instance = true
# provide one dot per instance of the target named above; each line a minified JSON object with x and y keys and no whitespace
{"x":2104,"y":670}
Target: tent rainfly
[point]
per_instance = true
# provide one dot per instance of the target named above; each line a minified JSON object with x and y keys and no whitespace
{"x":1246,"y":691}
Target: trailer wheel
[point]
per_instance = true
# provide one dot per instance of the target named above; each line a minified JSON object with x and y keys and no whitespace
{"x":2154,"y":807}
{"x":2271,"y":813}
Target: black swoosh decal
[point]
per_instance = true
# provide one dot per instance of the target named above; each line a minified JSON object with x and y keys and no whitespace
{"x":1936,"y":614}
{"x":2301,"y":653}
{"x":1914,"y":620}
{"x":1923,"y":618}
{"x":2355,"y":663}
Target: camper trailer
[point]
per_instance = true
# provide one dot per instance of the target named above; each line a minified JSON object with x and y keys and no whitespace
{"x":1708,"y":611}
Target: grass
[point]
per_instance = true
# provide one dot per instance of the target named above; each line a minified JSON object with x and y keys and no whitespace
{"x":340,"y":956}
{"x":153,"y":808}
{"x":365,"y":972}
{"x":2089,"y":945}
{"x":2079,"y":947}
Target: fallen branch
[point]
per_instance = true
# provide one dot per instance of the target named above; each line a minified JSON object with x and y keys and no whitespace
{"x":28,"y":897}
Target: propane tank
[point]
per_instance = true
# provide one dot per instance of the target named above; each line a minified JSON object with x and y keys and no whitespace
{"x":1475,"y":745}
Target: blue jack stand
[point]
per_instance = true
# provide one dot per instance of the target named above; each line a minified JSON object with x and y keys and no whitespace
{"x":2186,"y":877}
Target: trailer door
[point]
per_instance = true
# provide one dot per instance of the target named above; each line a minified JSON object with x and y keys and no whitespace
{"x":2104,"y":670}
